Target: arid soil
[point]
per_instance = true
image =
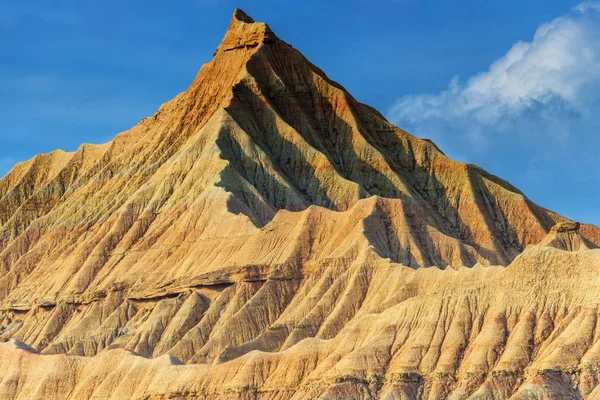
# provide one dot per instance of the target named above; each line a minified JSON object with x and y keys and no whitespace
{"x":266,"y":236}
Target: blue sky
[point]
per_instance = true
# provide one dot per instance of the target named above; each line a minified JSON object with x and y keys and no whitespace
{"x":512,"y":86}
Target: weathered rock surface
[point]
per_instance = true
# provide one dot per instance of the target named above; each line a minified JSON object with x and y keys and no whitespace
{"x":567,"y":236}
{"x":264,"y":235}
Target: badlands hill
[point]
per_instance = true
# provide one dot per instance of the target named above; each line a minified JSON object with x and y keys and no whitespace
{"x":266,"y":236}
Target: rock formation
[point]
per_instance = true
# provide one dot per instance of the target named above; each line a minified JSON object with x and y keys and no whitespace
{"x":264,"y":235}
{"x":567,"y":236}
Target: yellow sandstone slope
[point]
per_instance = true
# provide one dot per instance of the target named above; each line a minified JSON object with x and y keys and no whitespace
{"x":264,"y":235}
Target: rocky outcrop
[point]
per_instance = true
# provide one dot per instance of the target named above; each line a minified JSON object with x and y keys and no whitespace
{"x":264,"y":235}
{"x":567,"y":236}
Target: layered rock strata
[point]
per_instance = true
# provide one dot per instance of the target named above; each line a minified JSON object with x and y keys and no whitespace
{"x":264,"y":235}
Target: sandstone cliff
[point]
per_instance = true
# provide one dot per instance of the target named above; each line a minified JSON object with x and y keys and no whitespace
{"x":264,"y":235}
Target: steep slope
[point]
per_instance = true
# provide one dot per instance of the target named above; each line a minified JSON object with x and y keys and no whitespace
{"x":266,"y":209}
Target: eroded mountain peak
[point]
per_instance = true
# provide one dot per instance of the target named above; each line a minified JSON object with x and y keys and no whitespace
{"x":271,"y":232}
{"x":244,"y":32}
{"x":241,"y":16}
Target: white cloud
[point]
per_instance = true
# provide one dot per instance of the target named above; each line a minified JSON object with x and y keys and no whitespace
{"x":587,"y":6}
{"x":553,"y":78}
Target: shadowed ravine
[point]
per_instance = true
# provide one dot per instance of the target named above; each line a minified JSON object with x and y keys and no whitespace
{"x":266,"y":236}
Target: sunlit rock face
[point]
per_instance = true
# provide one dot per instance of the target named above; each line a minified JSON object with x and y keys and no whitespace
{"x":264,"y":235}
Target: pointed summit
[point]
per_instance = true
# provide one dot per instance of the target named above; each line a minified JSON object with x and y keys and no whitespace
{"x":244,"y":32}
{"x":259,"y":222}
{"x":241,"y":16}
